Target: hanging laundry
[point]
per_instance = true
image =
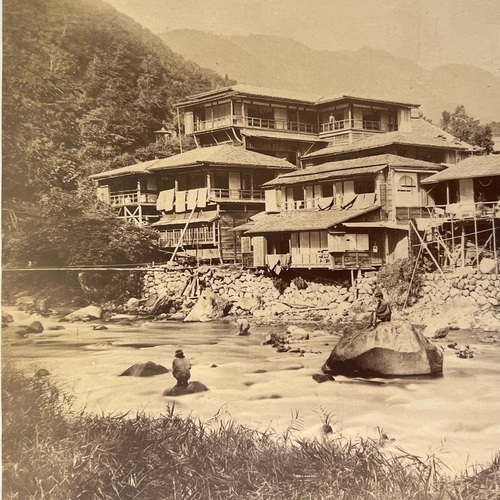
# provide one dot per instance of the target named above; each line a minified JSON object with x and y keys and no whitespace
{"x":192,"y":197}
{"x":180,"y":201}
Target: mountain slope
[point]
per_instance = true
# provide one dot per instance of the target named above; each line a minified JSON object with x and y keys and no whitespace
{"x":81,"y":84}
{"x":287,"y":64}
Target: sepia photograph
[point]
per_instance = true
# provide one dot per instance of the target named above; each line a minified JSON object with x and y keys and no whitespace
{"x":250,"y":250}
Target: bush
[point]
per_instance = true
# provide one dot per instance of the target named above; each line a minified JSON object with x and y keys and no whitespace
{"x":401,"y":281}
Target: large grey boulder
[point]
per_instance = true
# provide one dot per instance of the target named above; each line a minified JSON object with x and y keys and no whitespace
{"x":209,"y":306}
{"x":147,"y":369}
{"x":392,"y":349}
{"x":84,"y":314}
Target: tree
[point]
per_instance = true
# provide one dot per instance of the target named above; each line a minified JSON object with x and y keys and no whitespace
{"x":72,"y":229}
{"x":467,"y":129}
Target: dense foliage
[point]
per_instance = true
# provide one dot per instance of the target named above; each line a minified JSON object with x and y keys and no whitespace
{"x":55,"y":452}
{"x":402,"y":281}
{"x":467,"y":129}
{"x":74,"y":229}
{"x":82,"y":84}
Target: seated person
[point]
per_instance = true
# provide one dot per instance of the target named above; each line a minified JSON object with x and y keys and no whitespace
{"x":382,"y":311}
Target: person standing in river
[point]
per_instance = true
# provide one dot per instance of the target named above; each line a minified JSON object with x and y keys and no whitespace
{"x":382,"y":311}
{"x":181,"y":369}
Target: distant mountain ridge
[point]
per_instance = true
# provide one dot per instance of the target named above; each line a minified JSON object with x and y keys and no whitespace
{"x":290,"y":65}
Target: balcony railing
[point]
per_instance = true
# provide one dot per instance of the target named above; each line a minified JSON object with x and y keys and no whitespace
{"x":201,"y":235}
{"x":359,"y":125}
{"x":133,"y":197}
{"x":262,"y":123}
{"x":237,"y":194}
{"x":482,"y":209}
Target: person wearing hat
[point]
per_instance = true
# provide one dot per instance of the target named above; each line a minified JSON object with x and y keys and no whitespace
{"x":181,"y":369}
{"x":382,"y":311}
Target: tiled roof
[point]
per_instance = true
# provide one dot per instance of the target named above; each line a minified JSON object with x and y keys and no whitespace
{"x":291,"y":136}
{"x":181,"y":219}
{"x":254,"y":91}
{"x":138,"y":168}
{"x":423,"y":134}
{"x":349,"y":168}
{"x":305,"y":220}
{"x":470,"y":168}
{"x":336,"y":98}
{"x":225,"y":154}
{"x":216,"y":155}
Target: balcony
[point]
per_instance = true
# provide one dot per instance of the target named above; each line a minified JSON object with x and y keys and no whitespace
{"x":260,"y":123}
{"x":132,"y":197}
{"x":373,"y":126}
{"x":455,"y":211}
{"x":237,"y":194}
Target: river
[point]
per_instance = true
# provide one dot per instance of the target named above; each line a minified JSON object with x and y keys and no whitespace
{"x":454,"y":417}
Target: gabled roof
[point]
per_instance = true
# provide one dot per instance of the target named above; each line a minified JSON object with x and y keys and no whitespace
{"x":423,"y":134}
{"x":290,"y":136}
{"x":182,"y":218}
{"x":350,"y":168}
{"x":305,"y":220}
{"x":352,"y":98}
{"x":250,"y":90}
{"x":470,"y":168}
{"x":137,"y":169}
{"x":225,"y":154}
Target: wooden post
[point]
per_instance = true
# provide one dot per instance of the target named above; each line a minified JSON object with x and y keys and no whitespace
{"x":462,"y":242}
{"x":494,"y":242}
{"x":425,"y":247}
{"x":182,"y":235}
{"x":475,"y":238}
{"x":179,"y":126}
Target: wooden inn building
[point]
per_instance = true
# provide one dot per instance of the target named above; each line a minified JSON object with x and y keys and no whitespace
{"x":283,"y":179}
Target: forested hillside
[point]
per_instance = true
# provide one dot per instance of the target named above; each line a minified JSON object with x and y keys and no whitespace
{"x":82,"y":84}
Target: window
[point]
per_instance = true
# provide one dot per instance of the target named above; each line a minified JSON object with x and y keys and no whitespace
{"x":327,"y":190}
{"x":406,"y":184}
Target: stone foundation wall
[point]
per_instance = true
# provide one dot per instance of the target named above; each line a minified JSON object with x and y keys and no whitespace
{"x":481,"y":289}
{"x":254,"y":292}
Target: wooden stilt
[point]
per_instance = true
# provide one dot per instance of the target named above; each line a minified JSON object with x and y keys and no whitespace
{"x":462,"y":242}
{"x":425,"y":247}
{"x":412,"y":276}
{"x":475,"y":239}
{"x":494,"y":243}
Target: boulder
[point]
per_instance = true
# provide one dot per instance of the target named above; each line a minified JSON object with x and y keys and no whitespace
{"x":248,"y":303}
{"x":391,"y":349}
{"x":7,"y":318}
{"x":147,"y":369}
{"x":243,"y":326}
{"x":192,"y":388}
{"x":35,"y":327}
{"x":487,"y":266}
{"x":132,"y":303}
{"x":208,"y":307}
{"x":84,"y":314}
{"x":437,"y":329}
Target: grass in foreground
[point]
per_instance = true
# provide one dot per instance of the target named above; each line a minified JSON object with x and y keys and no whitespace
{"x":52,"y":451}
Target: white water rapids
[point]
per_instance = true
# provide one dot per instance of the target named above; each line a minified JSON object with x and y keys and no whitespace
{"x":454,"y":417}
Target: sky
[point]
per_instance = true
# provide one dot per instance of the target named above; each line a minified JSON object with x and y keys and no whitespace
{"x":429,"y":32}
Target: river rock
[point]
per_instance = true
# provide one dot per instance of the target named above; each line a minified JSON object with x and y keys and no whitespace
{"x":248,"y":303}
{"x":208,"y":307}
{"x":243,"y":326}
{"x":132,"y":303}
{"x":25,"y":303}
{"x":84,"y":314}
{"x":437,"y":329}
{"x":147,"y":369}
{"x":7,"y":318}
{"x":391,"y":349}
{"x":487,"y":266}
{"x":192,"y":388}
{"x":35,"y":327}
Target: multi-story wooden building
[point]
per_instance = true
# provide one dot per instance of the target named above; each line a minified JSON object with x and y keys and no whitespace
{"x":350,"y":214}
{"x":371,"y":152}
{"x":193,"y":198}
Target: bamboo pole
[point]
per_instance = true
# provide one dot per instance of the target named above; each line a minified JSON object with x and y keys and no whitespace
{"x":425,"y":247}
{"x":412,"y":276}
{"x":182,"y":235}
{"x":475,"y":238}
{"x":494,"y":242}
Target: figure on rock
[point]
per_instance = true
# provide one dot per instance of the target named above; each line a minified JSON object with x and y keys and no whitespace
{"x":244,"y":326}
{"x":181,"y":369}
{"x":382,"y":311}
